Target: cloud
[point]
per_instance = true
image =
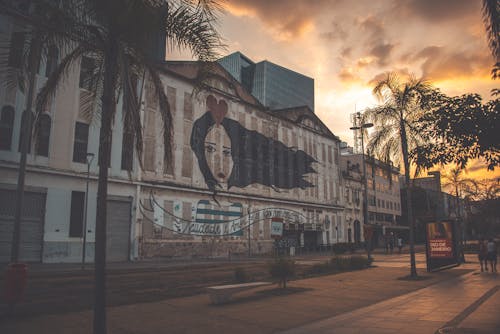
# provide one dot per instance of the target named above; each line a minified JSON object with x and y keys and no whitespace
{"x":440,"y":63}
{"x":373,"y":26}
{"x":382,"y":53}
{"x":337,"y":33}
{"x":442,"y":10}
{"x":349,"y":75}
{"x":289,"y":18}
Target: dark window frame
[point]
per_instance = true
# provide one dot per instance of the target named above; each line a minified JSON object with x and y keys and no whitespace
{"x":76,"y":214}
{"x":80,"y":142}
{"x":7,"y":117}
{"x":42,"y":142}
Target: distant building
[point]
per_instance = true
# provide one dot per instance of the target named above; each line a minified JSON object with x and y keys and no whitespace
{"x":383,"y":193}
{"x":274,"y":86}
{"x":431,"y":204}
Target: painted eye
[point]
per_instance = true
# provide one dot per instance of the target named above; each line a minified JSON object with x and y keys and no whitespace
{"x":209,"y":148}
{"x":226,"y":152}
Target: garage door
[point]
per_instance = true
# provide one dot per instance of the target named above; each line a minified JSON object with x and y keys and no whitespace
{"x":31,"y":225}
{"x":118,"y":230}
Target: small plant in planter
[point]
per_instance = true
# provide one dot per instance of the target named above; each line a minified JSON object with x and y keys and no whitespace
{"x":282,"y":269}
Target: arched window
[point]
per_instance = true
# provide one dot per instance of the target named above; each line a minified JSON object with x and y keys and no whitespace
{"x":43,"y":136}
{"x":6,"y":127}
{"x":52,"y":60}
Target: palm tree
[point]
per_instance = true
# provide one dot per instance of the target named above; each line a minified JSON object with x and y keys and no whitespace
{"x":38,"y":38}
{"x":491,"y":19}
{"x":401,"y":105}
{"x":122,"y":37}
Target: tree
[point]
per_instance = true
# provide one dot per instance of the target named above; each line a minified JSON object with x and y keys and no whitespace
{"x":491,"y":19}
{"x":35,"y":39}
{"x":482,"y":199}
{"x":395,"y":133}
{"x":125,"y":40}
{"x":459,"y":129}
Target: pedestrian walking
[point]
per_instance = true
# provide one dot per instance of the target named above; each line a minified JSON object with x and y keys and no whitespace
{"x":492,"y":255}
{"x":482,"y":254}
{"x":400,"y":244}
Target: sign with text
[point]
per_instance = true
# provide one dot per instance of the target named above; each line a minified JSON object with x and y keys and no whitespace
{"x":441,"y":247}
{"x":276,"y":228}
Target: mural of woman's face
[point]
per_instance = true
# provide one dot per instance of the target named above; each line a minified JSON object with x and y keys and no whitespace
{"x":218,"y":154}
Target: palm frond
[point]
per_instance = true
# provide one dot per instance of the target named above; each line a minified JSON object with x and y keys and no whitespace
{"x":49,"y":89}
{"x":491,"y":19}
{"x":164,"y":109}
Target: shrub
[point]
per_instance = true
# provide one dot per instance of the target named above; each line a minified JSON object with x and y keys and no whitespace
{"x":359,"y":262}
{"x":344,"y":247}
{"x":352,"y":262}
{"x":240,"y":275}
{"x":282,"y":269}
{"x":321,"y":268}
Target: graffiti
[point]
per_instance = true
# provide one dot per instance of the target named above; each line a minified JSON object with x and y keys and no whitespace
{"x":230,"y":155}
{"x":219,"y":227}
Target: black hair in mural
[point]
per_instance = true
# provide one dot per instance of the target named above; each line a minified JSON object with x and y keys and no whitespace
{"x":256,"y":158}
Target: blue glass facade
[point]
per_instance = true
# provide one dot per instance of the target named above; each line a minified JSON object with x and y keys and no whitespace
{"x":274,"y":86}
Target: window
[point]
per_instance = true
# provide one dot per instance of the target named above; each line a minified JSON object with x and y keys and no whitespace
{"x":43,"y":136}
{"x":81,"y":142}
{"x":6,"y":127}
{"x":16,"y":49}
{"x":23,"y":121}
{"x":52,"y":60}
{"x":76,"y":216}
{"x":127,"y":150}
{"x":87,"y":77}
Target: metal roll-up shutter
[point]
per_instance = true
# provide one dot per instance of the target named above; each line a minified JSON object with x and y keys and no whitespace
{"x":118,"y":230}
{"x":32,"y":219}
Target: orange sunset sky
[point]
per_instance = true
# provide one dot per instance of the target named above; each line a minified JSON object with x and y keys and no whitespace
{"x":347,"y":44}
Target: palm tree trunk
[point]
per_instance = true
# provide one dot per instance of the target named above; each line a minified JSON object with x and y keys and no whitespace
{"x":26,"y":127}
{"x":409,"y":209}
{"x":108,"y":108}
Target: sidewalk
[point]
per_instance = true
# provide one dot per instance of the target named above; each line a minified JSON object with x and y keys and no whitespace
{"x":467,"y":304}
{"x":259,"y":311}
{"x":374,"y":300}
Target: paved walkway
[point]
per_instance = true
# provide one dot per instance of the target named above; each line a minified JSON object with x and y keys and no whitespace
{"x":376,"y":300}
{"x":468,"y":304}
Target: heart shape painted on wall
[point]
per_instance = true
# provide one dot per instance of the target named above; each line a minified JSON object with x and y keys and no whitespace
{"x":217,"y":110}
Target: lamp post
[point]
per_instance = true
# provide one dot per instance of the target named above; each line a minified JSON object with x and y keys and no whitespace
{"x":89,"y":158}
{"x":361,"y":126}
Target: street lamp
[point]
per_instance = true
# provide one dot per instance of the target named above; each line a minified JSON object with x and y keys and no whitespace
{"x":89,"y":158}
{"x":365,"y":181}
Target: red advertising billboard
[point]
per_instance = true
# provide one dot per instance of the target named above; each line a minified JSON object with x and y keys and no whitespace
{"x":441,"y":246}
{"x":440,"y":239}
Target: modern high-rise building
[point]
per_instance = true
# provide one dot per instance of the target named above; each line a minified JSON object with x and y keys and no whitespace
{"x":274,"y":86}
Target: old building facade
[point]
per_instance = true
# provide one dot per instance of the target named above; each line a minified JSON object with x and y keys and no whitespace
{"x":240,"y":174}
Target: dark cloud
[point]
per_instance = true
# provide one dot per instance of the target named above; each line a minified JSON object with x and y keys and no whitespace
{"x":346,"y":52}
{"x":373,"y":27}
{"x":382,"y":52}
{"x":441,"y":63}
{"x":337,"y":33}
{"x":441,"y":10}
{"x":289,"y":16}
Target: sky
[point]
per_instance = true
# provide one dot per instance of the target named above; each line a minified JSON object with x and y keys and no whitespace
{"x":345,"y":45}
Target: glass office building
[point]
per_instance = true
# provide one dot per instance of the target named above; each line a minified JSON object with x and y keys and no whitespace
{"x":274,"y":86}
